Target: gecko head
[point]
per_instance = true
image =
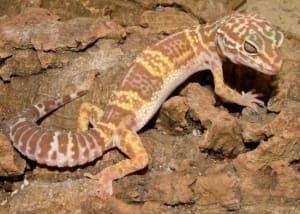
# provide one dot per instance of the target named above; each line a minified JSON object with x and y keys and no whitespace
{"x":252,"y":41}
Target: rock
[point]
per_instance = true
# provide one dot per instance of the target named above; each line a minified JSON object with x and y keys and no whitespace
{"x":22,"y":62}
{"x":280,"y":13}
{"x":219,"y":185}
{"x":161,"y":21}
{"x":223,"y":133}
{"x":172,"y":189}
{"x":11,"y":163}
{"x":248,"y":162}
{"x":37,"y":29}
{"x":207,"y":10}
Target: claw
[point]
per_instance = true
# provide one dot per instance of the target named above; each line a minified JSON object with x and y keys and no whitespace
{"x":105,"y":184}
{"x":90,"y":175}
{"x":250,"y":100}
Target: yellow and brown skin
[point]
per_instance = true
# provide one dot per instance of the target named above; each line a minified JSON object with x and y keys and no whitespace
{"x":244,"y":39}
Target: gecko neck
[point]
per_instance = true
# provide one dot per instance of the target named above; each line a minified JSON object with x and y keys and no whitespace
{"x":217,"y":25}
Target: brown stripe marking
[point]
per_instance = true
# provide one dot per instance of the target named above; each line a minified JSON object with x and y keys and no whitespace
{"x":45,"y":146}
{"x":24,"y":138}
{"x":86,"y":154}
{"x":19,"y":132}
{"x":40,"y":105}
{"x":81,"y":93}
{"x":83,"y":147}
{"x":195,"y":39}
{"x":114,"y":115}
{"x":89,"y":140}
{"x":140,"y":80}
{"x":98,"y":139}
{"x":18,"y":125}
{"x":54,"y":157}
{"x":127,"y":100}
{"x":81,"y":140}
{"x":49,"y":105}
{"x":67,"y":99}
{"x":62,"y":143}
{"x":31,"y":113}
{"x":32,"y":144}
{"x":156,"y":63}
{"x":92,"y":146}
{"x":177,"y":48}
{"x":28,"y":133}
{"x":75,"y":148}
{"x":95,"y":146}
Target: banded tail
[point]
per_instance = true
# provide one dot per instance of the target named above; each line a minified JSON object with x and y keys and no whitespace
{"x":54,"y":148}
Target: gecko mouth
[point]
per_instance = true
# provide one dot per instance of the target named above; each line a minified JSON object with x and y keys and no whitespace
{"x":270,"y":71}
{"x":273,"y":69}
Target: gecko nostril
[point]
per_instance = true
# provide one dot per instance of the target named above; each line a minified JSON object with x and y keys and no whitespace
{"x":277,"y":65}
{"x":274,"y":68}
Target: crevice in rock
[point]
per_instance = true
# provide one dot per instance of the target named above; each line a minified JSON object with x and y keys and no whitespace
{"x":295,"y":164}
{"x":251,"y":145}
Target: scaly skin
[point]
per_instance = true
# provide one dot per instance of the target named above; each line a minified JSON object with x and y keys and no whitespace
{"x":244,"y":39}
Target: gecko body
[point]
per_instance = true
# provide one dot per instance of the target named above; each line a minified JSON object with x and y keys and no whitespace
{"x":244,"y":39}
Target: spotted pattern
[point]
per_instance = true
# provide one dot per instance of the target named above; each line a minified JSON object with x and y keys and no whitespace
{"x":239,"y":29}
{"x":150,"y":79}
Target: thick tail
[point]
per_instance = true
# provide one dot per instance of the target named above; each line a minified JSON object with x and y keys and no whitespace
{"x":55,"y":148}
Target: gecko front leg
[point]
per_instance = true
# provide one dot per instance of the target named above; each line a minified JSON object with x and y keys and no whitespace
{"x":248,"y":99}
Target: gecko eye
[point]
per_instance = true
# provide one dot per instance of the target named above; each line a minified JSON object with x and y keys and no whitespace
{"x":250,"y":48}
{"x":253,"y":43}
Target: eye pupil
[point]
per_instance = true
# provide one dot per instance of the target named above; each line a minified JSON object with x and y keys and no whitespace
{"x":250,"y":48}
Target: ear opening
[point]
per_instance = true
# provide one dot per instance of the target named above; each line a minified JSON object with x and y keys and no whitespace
{"x":279,"y":38}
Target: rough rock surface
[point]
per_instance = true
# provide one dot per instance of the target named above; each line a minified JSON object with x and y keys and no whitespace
{"x":11,"y":164}
{"x":205,"y":156}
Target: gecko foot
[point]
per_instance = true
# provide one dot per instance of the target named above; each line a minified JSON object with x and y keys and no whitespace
{"x":250,"y":100}
{"x":105,"y":184}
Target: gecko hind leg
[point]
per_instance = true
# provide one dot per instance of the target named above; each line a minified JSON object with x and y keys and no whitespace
{"x":131,"y":145}
{"x":88,"y":114}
